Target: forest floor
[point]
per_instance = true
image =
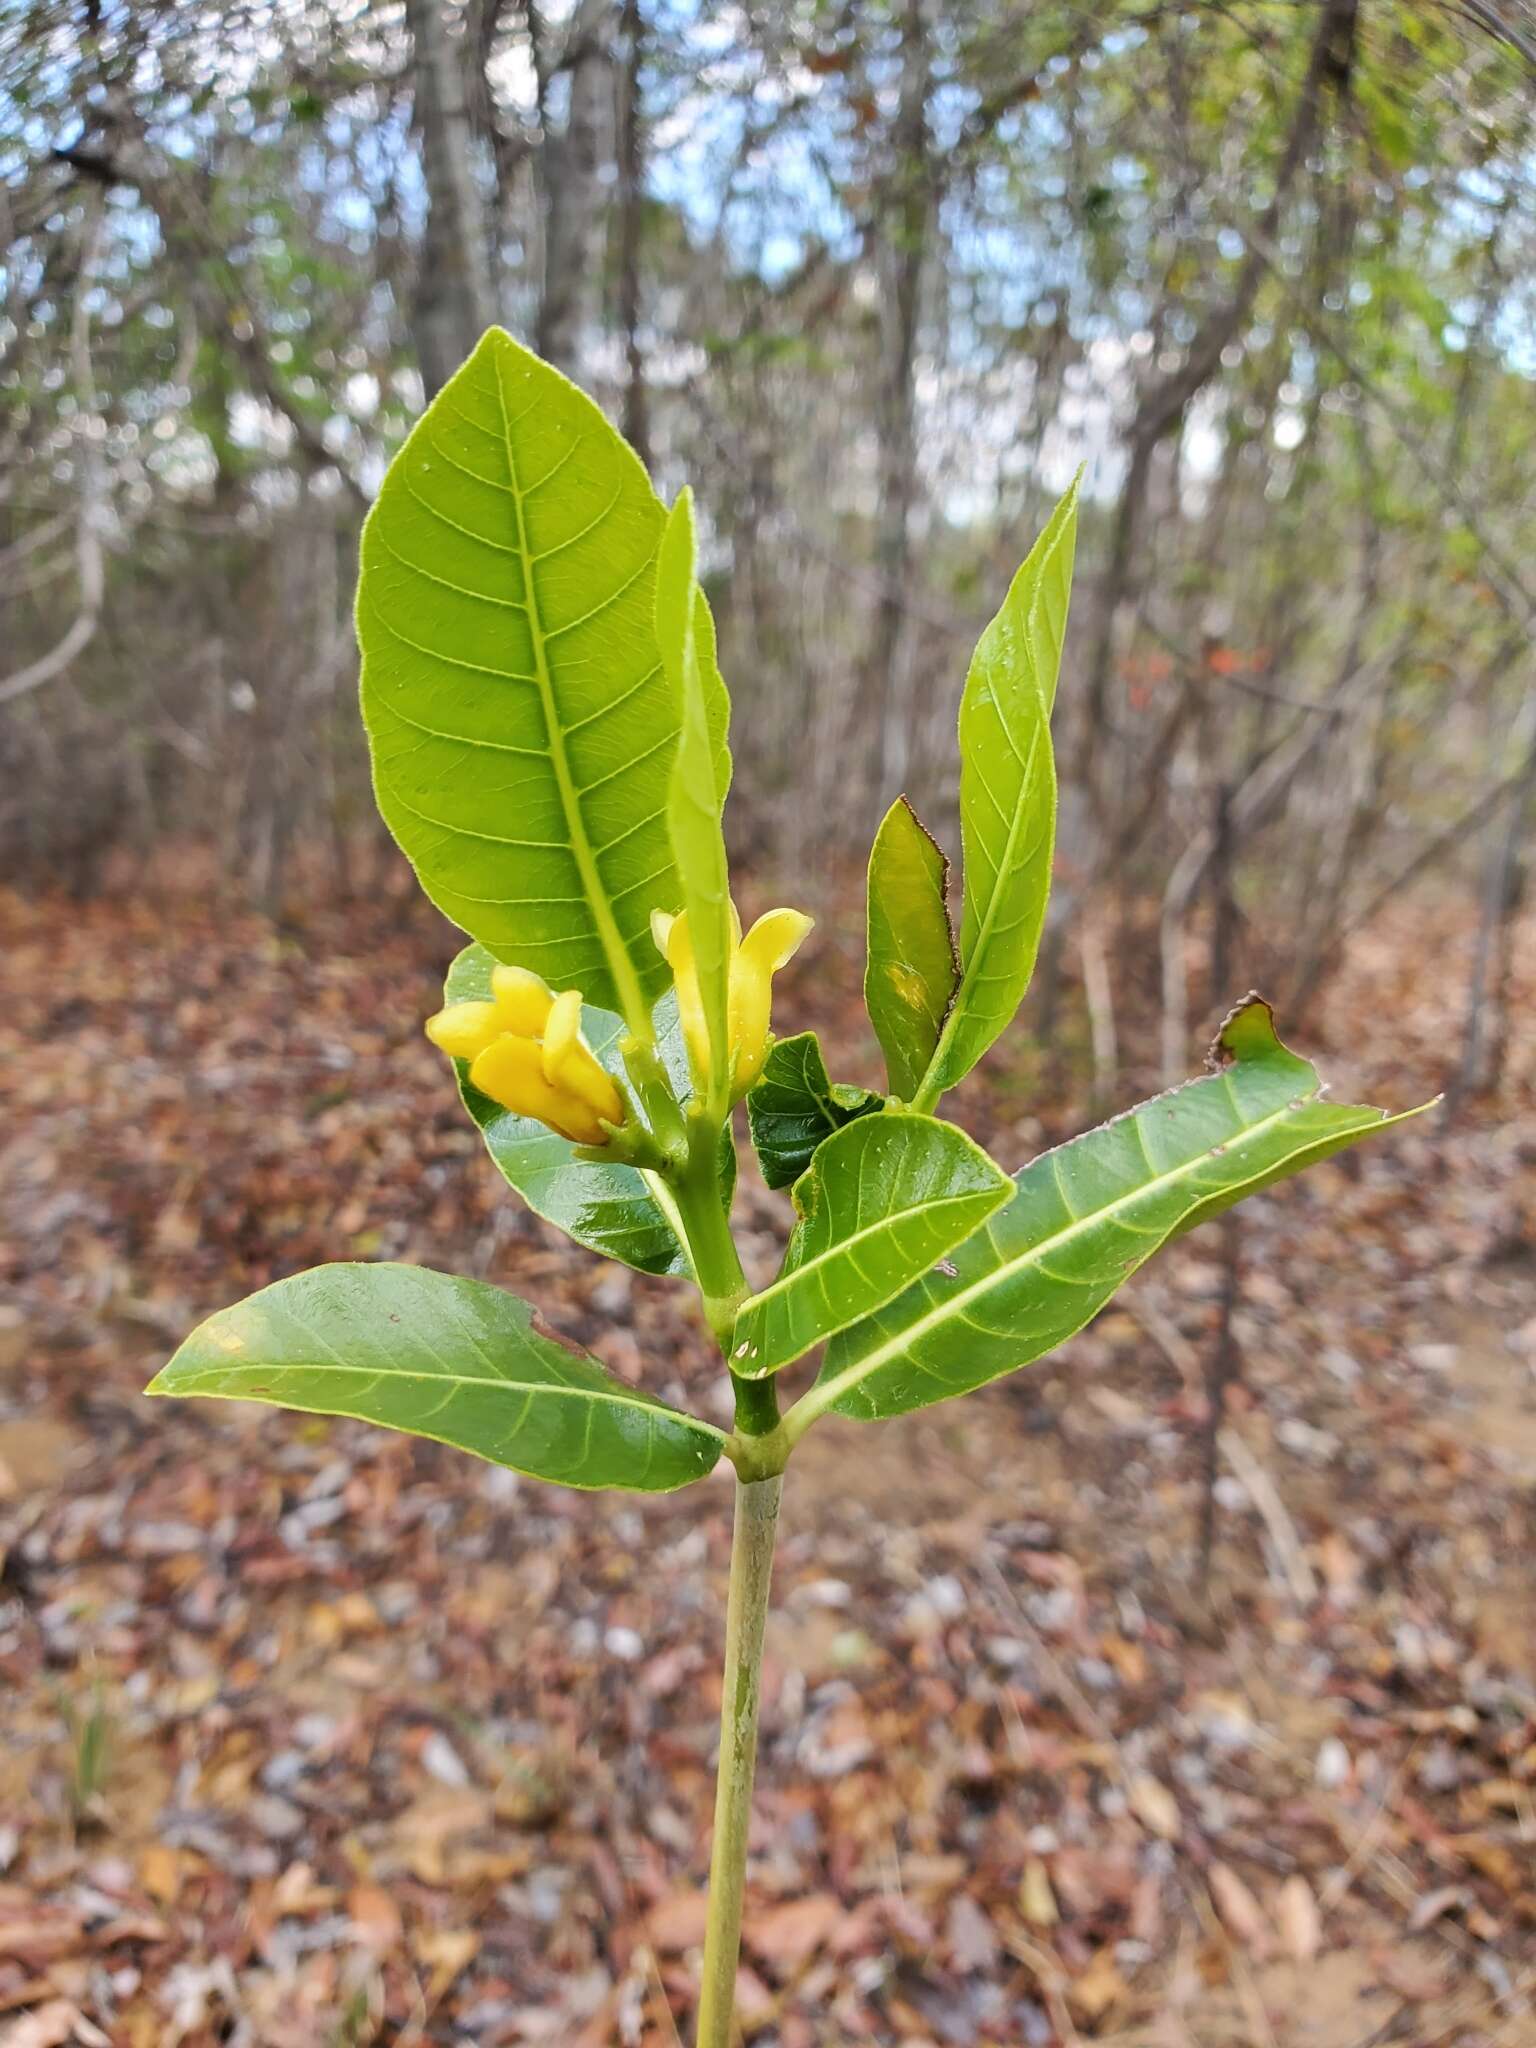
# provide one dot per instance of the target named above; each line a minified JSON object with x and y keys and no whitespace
{"x":316,"y":1736}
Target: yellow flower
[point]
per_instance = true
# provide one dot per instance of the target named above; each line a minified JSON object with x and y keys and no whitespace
{"x":525,"y":1051}
{"x":755,"y":960}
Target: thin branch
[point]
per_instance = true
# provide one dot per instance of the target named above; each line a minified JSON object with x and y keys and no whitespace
{"x":1484,"y":15}
{"x":90,"y":556}
{"x":1501,"y":571}
{"x":1476,"y":814}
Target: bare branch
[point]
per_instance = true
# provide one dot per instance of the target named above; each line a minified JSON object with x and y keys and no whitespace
{"x":90,"y":556}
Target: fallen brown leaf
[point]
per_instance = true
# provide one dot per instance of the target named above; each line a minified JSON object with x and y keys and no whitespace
{"x":376,"y":1918}
{"x":1241,"y":1913}
{"x":1298,"y":1919}
{"x":1155,"y":1807}
{"x":1037,"y":1902}
{"x":789,"y":1935}
{"x":677,"y":1923}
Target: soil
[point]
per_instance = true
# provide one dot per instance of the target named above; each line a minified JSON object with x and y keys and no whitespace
{"x":394,"y":1747}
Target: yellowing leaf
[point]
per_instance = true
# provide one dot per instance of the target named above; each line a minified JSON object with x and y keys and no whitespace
{"x":911,"y":968}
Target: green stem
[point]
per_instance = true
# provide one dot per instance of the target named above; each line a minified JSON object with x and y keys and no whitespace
{"x":707,"y":1228}
{"x":757,"y":1407}
{"x":648,"y":1078}
{"x":926,"y":1100}
{"x":752,"y":1540}
{"x":702,"y":1219}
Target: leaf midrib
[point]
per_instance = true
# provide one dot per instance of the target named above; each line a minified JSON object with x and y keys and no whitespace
{"x":620,"y":966}
{"x":822,"y":1396}
{"x":1026,"y":768}
{"x":786,"y":1282}
{"x":977,"y":950}
{"x":977,"y":953}
{"x":391,"y":1374}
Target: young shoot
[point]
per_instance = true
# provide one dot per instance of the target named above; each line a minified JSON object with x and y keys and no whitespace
{"x":549,"y":733}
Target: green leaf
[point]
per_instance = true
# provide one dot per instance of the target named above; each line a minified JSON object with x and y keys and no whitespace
{"x":695,"y":796}
{"x":717,"y":702}
{"x":911,"y":967}
{"x":1007,"y":800}
{"x":880,"y":1202}
{"x":1085,"y":1216}
{"x":612,"y":1209}
{"x":521,"y":726}
{"x":792,"y":1107}
{"x":445,"y":1358}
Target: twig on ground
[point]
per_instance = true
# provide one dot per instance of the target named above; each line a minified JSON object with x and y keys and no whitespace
{"x":1337,"y":1888}
{"x":1051,"y":1978}
{"x":1272,"y":1511}
{"x":1167,"y":1336}
{"x":1089,"y":1720}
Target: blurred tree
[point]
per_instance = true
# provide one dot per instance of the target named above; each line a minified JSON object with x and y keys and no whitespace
{"x":878,"y":275}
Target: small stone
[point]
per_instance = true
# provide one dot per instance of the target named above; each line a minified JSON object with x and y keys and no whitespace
{"x":278,"y":1819}
{"x":1007,"y":1652}
{"x":1333,"y":1766}
{"x":440,"y":1760}
{"x":946,"y":1595}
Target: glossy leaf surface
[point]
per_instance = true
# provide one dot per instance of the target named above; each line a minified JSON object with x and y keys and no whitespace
{"x":695,"y":796}
{"x":793,"y":1107}
{"x":612,"y":1209}
{"x":911,"y":967}
{"x":445,"y":1358}
{"x":1007,"y":799}
{"x":521,"y":727}
{"x":1084,"y":1217}
{"x":880,"y":1202}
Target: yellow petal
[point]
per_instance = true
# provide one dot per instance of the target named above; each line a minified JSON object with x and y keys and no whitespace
{"x":776,"y":938}
{"x":772,"y":941}
{"x":570,"y":1065}
{"x":464,"y":1030}
{"x":522,"y":1001}
{"x":562,"y":1031}
{"x":677,"y":944}
{"x":511,"y":1072}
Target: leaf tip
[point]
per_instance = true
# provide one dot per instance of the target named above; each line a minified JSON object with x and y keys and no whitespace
{"x":494,"y":336}
{"x":1247,"y":1028}
{"x":679,"y":531}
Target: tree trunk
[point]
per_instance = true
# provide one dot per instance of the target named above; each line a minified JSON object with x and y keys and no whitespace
{"x":906,"y":249}
{"x":1162,"y":406}
{"x":454,"y":300}
{"x":637,"y":426}
{"x":573,"y":165}
{"x":1483,"y":1034}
